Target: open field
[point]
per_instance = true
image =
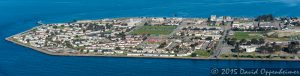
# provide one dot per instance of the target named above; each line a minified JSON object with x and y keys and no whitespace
{"x":203,"y":53}
{"x":247,"y":35}
{"x":154,"y":30}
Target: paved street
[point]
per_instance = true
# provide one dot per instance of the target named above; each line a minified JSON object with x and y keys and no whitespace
{"x":221,"y":44}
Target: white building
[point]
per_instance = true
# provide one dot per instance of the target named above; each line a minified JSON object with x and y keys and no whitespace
{"x":119,"y":51}
{"x":249,"y":48}
{"x":134,"y":54}
{"x":213,"y":17}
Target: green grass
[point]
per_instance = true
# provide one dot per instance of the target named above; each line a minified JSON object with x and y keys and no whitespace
{"x":203,"y":53}
{"x":278,"y":39}
{"x":154,"y":30}
{"x":247,"y":35}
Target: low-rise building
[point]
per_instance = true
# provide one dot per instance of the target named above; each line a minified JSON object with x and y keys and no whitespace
{"x":249,"y":48}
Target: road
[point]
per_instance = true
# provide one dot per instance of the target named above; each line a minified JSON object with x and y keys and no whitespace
{"x":179,"y":27}
{"x":221,"y":42}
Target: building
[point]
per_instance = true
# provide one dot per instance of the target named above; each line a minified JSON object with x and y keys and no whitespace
{"x":249,"y":48}
{"x":134,"y":54}
{"x":213,"y":18}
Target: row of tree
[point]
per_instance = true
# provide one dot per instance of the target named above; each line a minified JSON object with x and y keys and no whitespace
{"x":293,"y":47}
{"x":234,"y":41}
{"x":265,"y":18}
{"x":269,"y":48}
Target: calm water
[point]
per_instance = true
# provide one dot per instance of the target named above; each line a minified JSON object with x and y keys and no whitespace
{"x":19,"y":15}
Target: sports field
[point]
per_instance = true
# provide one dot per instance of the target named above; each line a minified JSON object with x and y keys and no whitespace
{"x":247,"y":35}
{"x":154,"y":30}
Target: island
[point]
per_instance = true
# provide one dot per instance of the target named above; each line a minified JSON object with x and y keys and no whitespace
{"x":261,"y":38}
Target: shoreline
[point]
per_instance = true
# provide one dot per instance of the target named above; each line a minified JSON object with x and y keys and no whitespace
{"x":153,"y":57}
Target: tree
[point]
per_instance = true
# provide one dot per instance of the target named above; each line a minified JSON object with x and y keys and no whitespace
{"x":55,"y":27}
{"x":162,"y":45}
{"x":248,"y":43}
{"x":117,"y":48}
{"x":144,"y":38}
{"x":208,"y":38}
{"x":270,"y":50}
{"x":182,"y":34}
{"x":254,"y":41}
{"x":277,"y":47}
{"x":232,"y":41}
{"x":268,"y":17}
{"x":109,"y":37}
{"x":243,"y":41}
{"x":237,"y":49}
{"x":139,"y":48}
{"x":146,"y":23}
{"x":121,"y":35}
{"x":261,"y":41}
{"x":177,"y":47}
{"x":194,"y":45}
{"x":293,"y":47}
{"x":262,"y":49}
{"x":108,"y":26}
{"x":193,"y":54}
{"x":68,"y":44}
